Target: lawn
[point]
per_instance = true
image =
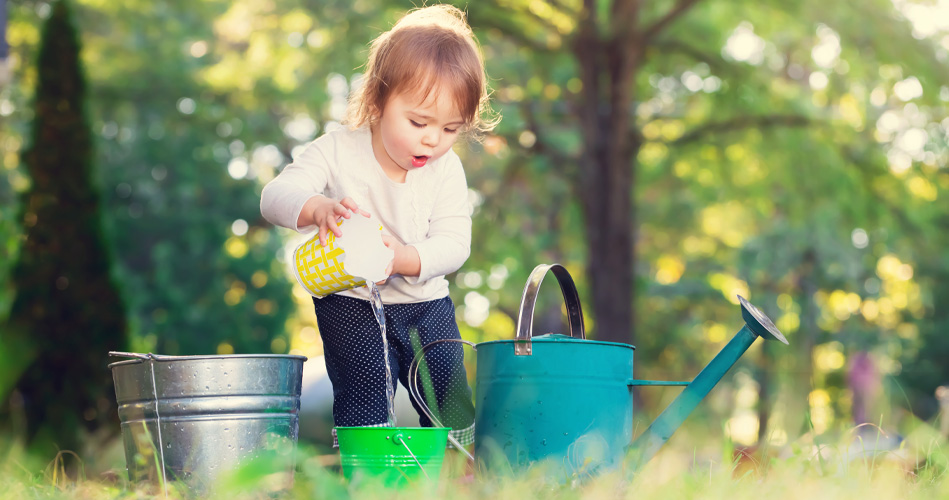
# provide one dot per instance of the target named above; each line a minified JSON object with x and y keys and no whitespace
{"x":857,"y":464}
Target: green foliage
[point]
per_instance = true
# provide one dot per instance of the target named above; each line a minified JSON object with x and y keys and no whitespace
{"x":67,"y":313}
{"x":924,"y":367}
{"x":756,"y":174}
{"x":753,"y":177}
{"x":199,"y":266}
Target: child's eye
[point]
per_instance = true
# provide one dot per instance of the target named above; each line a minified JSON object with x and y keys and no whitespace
{"x":417,"y":124}
{"x":451,"y":130}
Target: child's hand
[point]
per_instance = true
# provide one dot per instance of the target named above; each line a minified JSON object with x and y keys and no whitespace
{"x":394,"y":244}
{"x":405,"y":259}
{"x":388,"y":272}
{"x":323,"y":212}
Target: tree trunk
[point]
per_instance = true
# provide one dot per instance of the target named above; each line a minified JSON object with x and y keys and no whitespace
{"x":802,"y":387}
{"x":607,"y":181}
{"x":765,"y":380}
{"x":608,"y":46}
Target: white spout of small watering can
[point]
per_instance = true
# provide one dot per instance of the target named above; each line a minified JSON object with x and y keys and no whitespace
{"x":757,"y":324}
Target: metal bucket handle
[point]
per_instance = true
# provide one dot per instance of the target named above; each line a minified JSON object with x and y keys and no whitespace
{"x":417,"y":395}
{"x":151,"y":358}
{"x":525,"y":318}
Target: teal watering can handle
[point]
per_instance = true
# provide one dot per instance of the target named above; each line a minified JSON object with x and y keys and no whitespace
{"x":417,"y":395}
{"x":525,"y":318}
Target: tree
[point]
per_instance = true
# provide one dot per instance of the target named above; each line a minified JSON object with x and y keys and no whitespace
{"x":200,"y":267}
{"x":67,"y":313}
{"x":598,"y":67}
{"x":724,"y":147}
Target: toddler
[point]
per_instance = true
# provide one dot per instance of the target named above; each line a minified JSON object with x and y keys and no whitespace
{"x":424,"y":87}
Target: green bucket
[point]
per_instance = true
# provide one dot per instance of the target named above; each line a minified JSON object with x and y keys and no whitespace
{"x":394,"y":456}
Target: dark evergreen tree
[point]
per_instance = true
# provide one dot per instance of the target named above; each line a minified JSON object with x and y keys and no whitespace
{"x":67,"y":313}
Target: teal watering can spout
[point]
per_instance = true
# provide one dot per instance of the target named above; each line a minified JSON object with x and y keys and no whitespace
{"x":757,"y":324}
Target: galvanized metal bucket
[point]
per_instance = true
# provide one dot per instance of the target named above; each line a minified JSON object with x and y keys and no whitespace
{"x":191,"y":418}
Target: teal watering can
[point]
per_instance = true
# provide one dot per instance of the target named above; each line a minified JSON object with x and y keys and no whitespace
{"x":567,"y":401}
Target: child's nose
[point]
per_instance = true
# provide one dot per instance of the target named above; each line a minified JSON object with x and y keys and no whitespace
{"x":430,"y":138}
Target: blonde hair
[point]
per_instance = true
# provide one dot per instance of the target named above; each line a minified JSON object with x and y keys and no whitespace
{"x":427,"y":49}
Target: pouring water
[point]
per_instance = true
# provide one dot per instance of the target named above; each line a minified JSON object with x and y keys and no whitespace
{"x":354,"y":259}
{"x":357,"y":256}
{"x":375,"y":300}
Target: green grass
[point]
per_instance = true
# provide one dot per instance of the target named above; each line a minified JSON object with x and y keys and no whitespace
{"x":860,"y":464}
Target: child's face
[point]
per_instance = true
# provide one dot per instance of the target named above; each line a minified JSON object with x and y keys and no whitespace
{"x":410,"y":133}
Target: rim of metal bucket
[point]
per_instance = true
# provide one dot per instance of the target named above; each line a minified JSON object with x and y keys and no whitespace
{"x":140,"y":358}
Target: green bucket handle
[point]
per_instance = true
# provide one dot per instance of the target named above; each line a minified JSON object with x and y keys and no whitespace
{"x":417,"y":395}
{"x":398,"y":438}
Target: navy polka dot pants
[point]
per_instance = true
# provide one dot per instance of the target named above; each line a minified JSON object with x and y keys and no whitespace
{"x":352,"y":348}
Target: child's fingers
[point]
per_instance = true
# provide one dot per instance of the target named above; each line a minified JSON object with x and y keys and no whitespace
{"x":322,"y":235}
{"x":350,"y":204}
{"x":330,"y":224}
{"x":388,"y":273}
{"x":342,"y":211}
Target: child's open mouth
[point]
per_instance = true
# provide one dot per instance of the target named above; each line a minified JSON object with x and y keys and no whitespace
{"x":419,"y":161}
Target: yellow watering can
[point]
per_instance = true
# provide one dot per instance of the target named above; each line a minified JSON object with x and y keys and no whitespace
{"x":346,"y":261}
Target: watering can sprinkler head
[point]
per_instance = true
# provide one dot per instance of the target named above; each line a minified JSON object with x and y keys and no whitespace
{"x":759,"y":323}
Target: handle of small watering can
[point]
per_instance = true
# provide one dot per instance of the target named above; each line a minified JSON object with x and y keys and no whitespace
{"x":417,"y":395}
{"x":525,"y":318}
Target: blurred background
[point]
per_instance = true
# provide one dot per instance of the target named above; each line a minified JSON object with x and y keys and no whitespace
{"x":673,"y":154}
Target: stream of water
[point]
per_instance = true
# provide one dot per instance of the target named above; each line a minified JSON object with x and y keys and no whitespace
{"x":375,"y":300}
